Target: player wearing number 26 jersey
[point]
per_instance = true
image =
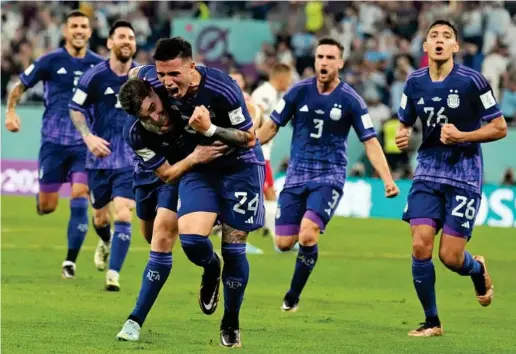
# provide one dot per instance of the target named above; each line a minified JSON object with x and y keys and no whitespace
{"x":62,"y":153}
{"x":452,"y":102}
{"x":323,"y":110}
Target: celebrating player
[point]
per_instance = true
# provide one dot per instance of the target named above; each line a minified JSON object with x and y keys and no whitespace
{"x":62,"y":154}
{"x":110,"y":159}
{"x":267,"y":97}
{"x":230,"y":187}
{"x":156,"y":201}
{"x":451,"y":101}
{"x":324,"y":109}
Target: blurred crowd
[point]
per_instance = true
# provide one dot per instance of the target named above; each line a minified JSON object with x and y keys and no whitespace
{"x":382,"y":41}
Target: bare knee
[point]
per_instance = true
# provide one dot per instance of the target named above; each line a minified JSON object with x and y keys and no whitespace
{"x":165,"y":232}
{"x":422,"y":241}
{"x":79,"y":191}
{"x":285,"y":243}
{"x":452,"y":259}
{"x":309,"y":233}
{"x":146,"y":227}
{"x":232,"y":235}
{"x":124,"y":209}
{"x":47,"y":202}
{"x":101,"y":217}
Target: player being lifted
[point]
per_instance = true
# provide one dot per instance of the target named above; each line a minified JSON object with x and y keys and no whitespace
{"x":451,"y":101}
{"x":156,"y":201}
{"x":229,"y":188}
{"x":62,"y":154}
{"x":323,"y":109}
{"x":110,"y":159}
{"x":267,"y":96}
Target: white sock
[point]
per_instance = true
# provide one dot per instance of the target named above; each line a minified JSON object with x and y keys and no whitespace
{"x":270,"y":216}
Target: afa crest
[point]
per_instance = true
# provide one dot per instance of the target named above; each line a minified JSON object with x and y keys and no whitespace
{"x":453,"y":100}
{"x":336,"y":112}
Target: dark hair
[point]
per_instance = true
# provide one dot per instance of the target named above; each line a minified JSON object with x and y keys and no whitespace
{"x":172,"y":48}
{"x":75,"y":13}
{"x":444,"y":23}
{"x":118,"y":24}
{"x":132,"y":93}
{"x":331,"y":41}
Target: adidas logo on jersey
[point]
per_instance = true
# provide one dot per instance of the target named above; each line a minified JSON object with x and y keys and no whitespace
{"x":250,"y":220}
{"x":304,"y":108}
{"x":109,"y":91}
{"x":62,"y":71}
{"x":466,"y":225}
{"x":421,"y":101}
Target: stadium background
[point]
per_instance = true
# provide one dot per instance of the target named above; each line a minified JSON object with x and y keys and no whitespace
{"x":382,"y":43}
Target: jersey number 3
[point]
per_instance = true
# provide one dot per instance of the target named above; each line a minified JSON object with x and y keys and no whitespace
{"x":318,"y":125}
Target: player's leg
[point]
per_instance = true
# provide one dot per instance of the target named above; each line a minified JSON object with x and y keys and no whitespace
{"x":158,"y":268}
{"x":321,"y":203}
{"x":270,"y":200}
{"x":100,"y":197}
{"x":289,"y":213}
{"x":424,"y":213}
{"x":78,"y":222}
{"x":461,"y":210}
{"x":53,"y":172}
{"x":242,"y":211}
{"x":146,"y":199}
{"x":197,"y":211}
{"x":123,"y":201}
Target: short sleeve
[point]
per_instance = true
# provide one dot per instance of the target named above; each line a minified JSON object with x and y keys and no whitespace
{"x":486,"y":102}
{"x":147,"y":157}
{"x":233,"y":101}
{"x":286,"y":107}
{"x":360,"y":118}
{"x":407,"y":113}
{"x":37,"y":71}
{"x":84,"y":94}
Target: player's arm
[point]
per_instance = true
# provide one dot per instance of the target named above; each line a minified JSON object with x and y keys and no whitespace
{"x":81,"y":101}
{"x":255,"y":113}
{"x":496,"y":129}
{"x":202,"y":154}
{"x":30,"y":77}
{"x":279,"y":117}
{"x":201,"y":122}
{"x":134,"y":71}
{"x":364,"y":128}
{"x":407,"y":116}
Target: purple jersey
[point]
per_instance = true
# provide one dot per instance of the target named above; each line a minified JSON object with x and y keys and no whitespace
{"x":60,"y":73}
{"x":321,"y":128}
{"x":97,"y":98}
{"x":464,"y":98}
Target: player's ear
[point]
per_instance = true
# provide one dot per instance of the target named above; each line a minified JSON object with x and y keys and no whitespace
{"x":341,"y":64}
{"x":456,"y":47}
{"x":64,"y":30}
{"x":109,"y":43}
{"x":425,"y":47}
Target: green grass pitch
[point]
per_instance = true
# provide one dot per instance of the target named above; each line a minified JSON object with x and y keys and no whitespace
{"x":359,"y":299}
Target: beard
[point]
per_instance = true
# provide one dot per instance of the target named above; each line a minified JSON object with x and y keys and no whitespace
{"x":120,"y":56}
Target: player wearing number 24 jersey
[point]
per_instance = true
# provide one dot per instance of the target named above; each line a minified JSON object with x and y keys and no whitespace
{"x":452,"y":101}
{"x":62,"y":153}
{"x":323,"y":110}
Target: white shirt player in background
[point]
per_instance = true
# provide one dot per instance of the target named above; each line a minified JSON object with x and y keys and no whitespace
{"x":267,"y":96}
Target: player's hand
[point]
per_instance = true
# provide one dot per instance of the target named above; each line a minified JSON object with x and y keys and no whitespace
{"x":391,"y":189}
{"x":12,"y":122}
{"x":450,"y":134}
{"x":98,"y":146}
{"x":207,"y":153}
{"x":402,"y":138}
{"x":200,"y":120}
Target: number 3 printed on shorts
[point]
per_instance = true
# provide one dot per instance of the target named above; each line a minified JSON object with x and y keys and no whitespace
{"x":334,"y":198}
{"x":242,"y":199}
{"x":469,"y":210}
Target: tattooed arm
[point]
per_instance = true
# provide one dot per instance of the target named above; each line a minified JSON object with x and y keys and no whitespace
{"x":12,"y":120}
{"x":79,"y":120}
{"x":134,"y":71}
{"x":98,"y":146}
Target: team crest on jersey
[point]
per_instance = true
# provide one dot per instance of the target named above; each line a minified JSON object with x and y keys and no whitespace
{"x":336,"y":112}
{"x":453,"y":100}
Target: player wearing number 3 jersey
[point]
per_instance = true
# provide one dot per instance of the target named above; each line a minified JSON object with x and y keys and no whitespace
{"x":451,"y":100}
{"x":62,"y":154}
{"x":323,"y":110}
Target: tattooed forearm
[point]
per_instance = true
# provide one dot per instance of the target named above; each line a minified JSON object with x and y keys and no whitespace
{"x":79,"y":121}
{"x":15,"y":95}
{"x":134,"y":71}
{"x":231,"y":235}
{"x":235,"y":137}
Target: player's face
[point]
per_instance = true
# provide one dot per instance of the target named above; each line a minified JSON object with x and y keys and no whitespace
{"x":77,"y":32}
{"x":328,"y":62}
{"x":123,"y":44}
{"x":284,"y":81}
{"x":153,"y":114}
{"x":239,"y":80}
{"x":176,"y":75}
{"x":440,"y":43}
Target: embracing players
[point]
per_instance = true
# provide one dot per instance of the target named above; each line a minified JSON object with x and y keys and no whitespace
{"x":229,"y":188}
{"x":323,"y":109}
{"x":452,"y":101}
{"x":62,"y":154}
{"x":110,"y":160}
